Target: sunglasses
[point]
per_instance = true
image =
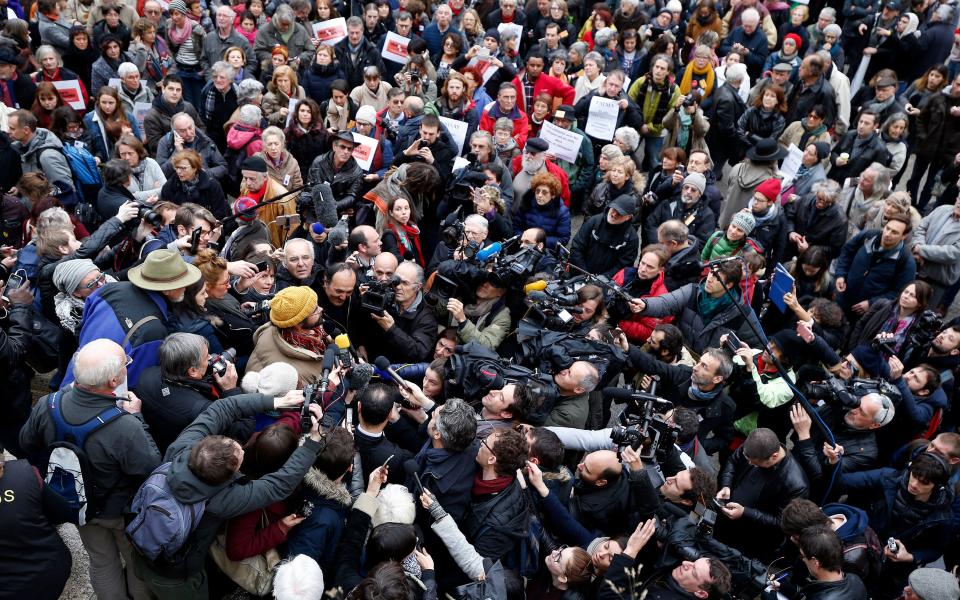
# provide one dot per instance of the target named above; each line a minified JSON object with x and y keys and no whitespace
{"x":96,"y":282}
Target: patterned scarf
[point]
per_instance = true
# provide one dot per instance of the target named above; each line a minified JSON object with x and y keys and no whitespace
{"x":308,"y":339}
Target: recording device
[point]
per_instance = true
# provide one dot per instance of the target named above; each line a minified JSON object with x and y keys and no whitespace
{"x":146,"y":213}
{"x":705,"y":519}
{"x":195,"y":239}
{"x":714,"y":264}
{"x":16,"y":279}
{"x":922,"y":333}
{"x":386,"y":462}
{"x":379,"y":295}
{"x":259,"y":310}
{"x":314,"y":392}
{"x":287,"y":221}
{"x":416,"y":476}
{"x":311,"y":206}
{"x":848,"y":393}
{"x":306,"y":509}
{"x":732,"y":343}
{"x":893,"y":546}
{"x":360,"y":375}
{"x":260,"y":265}
{"x":217,"y":363}
{"x":342,"y":341}
{"x":414,"y":77}
{"x":640,"y":425}
{"x":454,"y":236}
{"x":884,"y":346}
{"x":383,"y":363}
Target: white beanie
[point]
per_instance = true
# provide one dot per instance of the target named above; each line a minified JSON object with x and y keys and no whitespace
{"x":274,"y":380}
{"x":367,"y":114}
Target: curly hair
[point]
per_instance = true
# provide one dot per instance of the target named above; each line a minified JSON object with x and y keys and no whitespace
{"x":511,"y":452}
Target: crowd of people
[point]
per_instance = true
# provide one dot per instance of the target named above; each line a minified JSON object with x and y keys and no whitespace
{"x":412,"y":300}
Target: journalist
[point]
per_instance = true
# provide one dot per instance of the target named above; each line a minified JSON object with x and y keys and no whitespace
{"x":407,"y":329}
{"x":377,"y":407}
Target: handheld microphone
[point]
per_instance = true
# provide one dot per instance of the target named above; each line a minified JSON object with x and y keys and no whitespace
{"x":535,"y":286}
{"x":318,"y":228}
{"x":342,"y":341}
{"x":489,"y":252}
{"x":329,"y":361}
{"x":360,"y":376}
{"x":383,"y":364}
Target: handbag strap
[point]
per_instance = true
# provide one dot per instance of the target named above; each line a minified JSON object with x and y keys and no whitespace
{"x":136,"y":326}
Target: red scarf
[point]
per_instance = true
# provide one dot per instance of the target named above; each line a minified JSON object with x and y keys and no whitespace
{"x":489,"y":486}
{"x":409,"y":238}
{"x":308,"y":339}
{"x":258,"y":195}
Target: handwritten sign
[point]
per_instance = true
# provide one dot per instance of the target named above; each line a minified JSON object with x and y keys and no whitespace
{"x":564,"y":144}
{"x":365,"y":150}
{"x":602,"y":118}
{"x":330,"y":32}
{"x":395,"y":48}
{"x":458,"y":130}
{"x":791,"y":164}
{"x":71,"y":93}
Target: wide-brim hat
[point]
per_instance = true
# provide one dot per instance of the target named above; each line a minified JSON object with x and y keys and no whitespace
{"x":766,"y":149}
{"x":162,"y":271}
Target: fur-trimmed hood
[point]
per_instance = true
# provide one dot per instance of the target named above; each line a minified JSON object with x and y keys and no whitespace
{"x":563,"y":476}
{"x":317,"y":481}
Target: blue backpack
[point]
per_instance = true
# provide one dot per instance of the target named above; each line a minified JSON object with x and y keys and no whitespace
{"x":158,"y":524}
{"x":86,"y":176}
{"x":68,"y":470}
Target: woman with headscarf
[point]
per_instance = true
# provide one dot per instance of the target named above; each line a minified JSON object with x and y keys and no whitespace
{"x":831,"y":43}
{"x":901,"y":51}
{"x":810,"y":173}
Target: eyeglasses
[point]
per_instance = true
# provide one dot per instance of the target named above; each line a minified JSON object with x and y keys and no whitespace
{"x":100,"y":280}
{"x":560,"y":550}
{"x":485,"y":444}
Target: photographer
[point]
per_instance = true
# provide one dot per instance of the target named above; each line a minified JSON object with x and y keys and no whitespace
{"x":485,"y":320}
{"x":921,"y":397}
{"x":179,"y":235}
{"x":294,"y":334}
{"x":822,"y":554}
{"x":183,"y":386}
{"x":114,"y":193}
{"x":472,"y":237}
{"x":432,"y":146}
{"x":408,"y":328}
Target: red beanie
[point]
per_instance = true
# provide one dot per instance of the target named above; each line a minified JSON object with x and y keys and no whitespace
{"x":769,"y":188}
{"x":796,"y":40}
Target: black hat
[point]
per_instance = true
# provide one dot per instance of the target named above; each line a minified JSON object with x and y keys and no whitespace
{"x":492,"y":33}
{"x":892,"y":5}
{"x":537,"y":145}
{"x":347,"y":136}
{"x":766,"y":149}
{"x":823,"y":149}
{"x":255,"y":164}
{"x":625,"y":204}
{"x":7,"y":57}
{"x":564,"y":111}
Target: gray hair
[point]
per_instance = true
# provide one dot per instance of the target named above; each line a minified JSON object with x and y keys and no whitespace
{"x":945,"y":13}
{"x":298,"y":578}
{"x":633,"y":3}
{"x":478,"y":220}
{"x":736,"y":72}
{"x":250,"y":114}
{"x":457,"y":425}
{"x":830,"y":13}
{"x":274,"y":131}
{"x":604,"y":35}
{"x":222,"y":67}
{"x":482,"y":135}
{"x":97,"y":374}
{"x":629,"y":136}
{"x":127,"y":68}
{"x":354,"y":22}
{"x":883,"y":178}
{"x":296,"y":241}
{"x":249,"y":89}
{"x":48,"y":50}
{"x":580,"y":48}
{"x":284,"y":14}
{"x":750,"y":14}
{"x":418,"y":274}
{"x":829,"y":188}
{"x":591,"y":380}
{"x":181,"y":352}
{"x":724,"y":364}
{"x":226,"y":11}
{"x":177,"y":117}
{"x":597,"y":58}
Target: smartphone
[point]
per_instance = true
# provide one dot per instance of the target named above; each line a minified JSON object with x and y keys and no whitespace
{"x":261,"y":265}
{"x":16,"y":279}
{"x":348,"y":418}
{"x":733,"y":342}
{"x":287,"y":220}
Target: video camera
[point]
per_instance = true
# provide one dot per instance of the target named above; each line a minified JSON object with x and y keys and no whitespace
{"x":379,"y":295}
{"x":454,"y":237}
{"x":260,"y":311}
{"x":640,"y":424}
{"x":849,"y":393}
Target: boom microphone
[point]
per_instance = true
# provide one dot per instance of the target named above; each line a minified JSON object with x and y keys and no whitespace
{"x":360,"y":376}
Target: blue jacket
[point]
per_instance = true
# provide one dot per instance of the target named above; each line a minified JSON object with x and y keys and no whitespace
{"x":870,"y":272}
{"x":449,"y":475}
{"x":756,"y":43}
{"x":434,"y":39}
{"x":553,"y":218}
{"x":99,"y":144}
{"x":319,"y":534}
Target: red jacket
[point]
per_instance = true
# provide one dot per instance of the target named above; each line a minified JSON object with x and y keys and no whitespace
{"x":553,"y":169}
{"x":521,"y":126}
{"x":545,"y":84}
{"x":636,"y":327}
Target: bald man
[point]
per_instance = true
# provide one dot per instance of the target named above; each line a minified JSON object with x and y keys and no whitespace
{"x":363,"y":245}
{"x":609,"y":498}
{"x":121,"y":456}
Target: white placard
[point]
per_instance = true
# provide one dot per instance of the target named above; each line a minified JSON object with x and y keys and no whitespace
{"x":504,"y":27}
{"x":395,"y":48}
{"x":71,"y":93}
{"x":791,"y":164}
{"x":460,"y":162}
{"x":602,"y":118}
{"x":564,"y":144}
{"x":457,"y":129}
{"x":365,"y":150}
{"x":330,"y":32}
{"x":487,"y":68}
{"x":291,"y":110}
{"x":140,"y":110}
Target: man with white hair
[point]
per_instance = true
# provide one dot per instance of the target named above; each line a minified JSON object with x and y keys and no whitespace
{"x":442,"y":25}
{"x":284,"y":30}
{"x":121,"y":456}
{"x":749,"y":41}
{"x":724,"y":114}
{"x":224,"y":36}
{"x":218,"y":100}
{"x":299,"y":578}
{"x":132,"y":91}
{"x":184,"y":135}
{"x":299,"y":266}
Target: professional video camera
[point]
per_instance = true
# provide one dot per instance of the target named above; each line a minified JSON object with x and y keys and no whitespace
{"x":849,"y":393}
{"x":454,"y":236}
{"x":512,"y":270}
{"x":922,"y":333}
{"x":640,"y":424}
{"x":378,"y":295}
{"x":217,"y":363}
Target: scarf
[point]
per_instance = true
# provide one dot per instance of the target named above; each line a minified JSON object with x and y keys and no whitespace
{"x":308,"y":339}
{"x":69,"y":310}
{"x":482,"y":487}
{"x":765,"y":217}
{"x":719,"y":246}
{"x":683,"y":136}
{"x":702,"y":79}
{"x":408,"y":236}
{"x":179,"y":36}
{"x":113,"y":63}
{"x":654,"y":101}
{"x":411,"y":566}
{"x":884,"y":105}
{"x":338,"y":116}
{"x":481,"y":308}
{"x":698,"y":395}
{"x":709,"y":306}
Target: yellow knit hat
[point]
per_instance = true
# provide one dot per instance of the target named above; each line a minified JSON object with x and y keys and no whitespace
{"x":292,"y":305}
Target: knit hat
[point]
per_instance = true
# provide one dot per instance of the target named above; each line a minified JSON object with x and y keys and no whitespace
{"x":292,"y":306}
{"x":769,"y":189}
{"x":69,"y":273}
{"x":492,"y":33}
{"x":595,"y":544}
{"x":871,"y":361}
{"x":796,"y":39}
{"x":625,"y":204}
{"x":178,"y":5}
{"x":367,"y":114}
{"x":823,"y":150}
{"x":7,"y":57}
{"x":833,"y":29}
{"x":255,"y":164}
{"x":745,"y":221}
{"x":696,"y":180}
{"x":934,"y":584}
{"x":275,"y":379}
{"x":245,"y":209}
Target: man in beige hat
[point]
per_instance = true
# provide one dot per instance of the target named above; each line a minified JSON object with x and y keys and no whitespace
{"x":294,"y":334}
{"x":138,"y":314}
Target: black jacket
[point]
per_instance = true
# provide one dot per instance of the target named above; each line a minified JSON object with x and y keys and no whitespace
{"x":724,"y":114}
{"x":800,"y":100}
{"x":848,"y":588}
{"x":875,"y":151}
{"x":234,"y":328}
{"x":617,"y":507}
{"x":772,"y":235}
{"x":368,"y":55}
{"x":443,"y":154}
{"x":170,"y":405}
{"x":412,"y":337}
{"x":109,"y":200}
{"x":15,"y":335}
{"x":345,"y":183}
{"x":755,"y":125}
{"x":496,"y":523}
{"x":375,"y":450}
{"x":207,"y":193}
{"x":602,"y":248}
{"x":703,"y":225}
{"x":684,"y":266}
{"x":826,"y":227}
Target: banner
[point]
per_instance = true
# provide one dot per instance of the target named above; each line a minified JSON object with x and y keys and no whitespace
{"x":564,"y":144}
{"x":365,"y":150}
{"x":458,"y":130}
{"x":395,"y":48}
{"x":330,"y":32}
{"x":602,"y":118}
{"x":71,"y":94}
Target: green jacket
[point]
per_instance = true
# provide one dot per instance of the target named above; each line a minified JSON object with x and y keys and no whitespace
{"x":569,"y":411}
{"x":650,"y":104}
{"x":580,"y":173}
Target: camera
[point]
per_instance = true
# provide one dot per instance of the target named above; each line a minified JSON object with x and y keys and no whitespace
{"x":705,"y":519}
{"x":379,"y":294}
{"x":146,"y":213}
{"x":454,"y":236}
{"x":513,"y":269}
{"x":414,"y":77}
{"x":259,"y":310}
{"x":848,"y":393}
{"x":217,"y":363}
{"x":892,"y":545}
{"x":640,"y":425}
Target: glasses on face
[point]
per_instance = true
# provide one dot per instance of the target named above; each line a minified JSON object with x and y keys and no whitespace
{"x":483,"y":441}
{"x":343,"y":148}
{"x":560,"y":553}
{"x":100,"y":280}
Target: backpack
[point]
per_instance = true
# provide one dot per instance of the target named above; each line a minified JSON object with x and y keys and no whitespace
{"x":68,"y":470}
{"x":86,"y":182}
{"x":158,"y":524}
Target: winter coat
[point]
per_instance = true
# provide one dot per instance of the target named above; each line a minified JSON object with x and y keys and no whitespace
{"x":602,"y":248}
{"x":15,"y":341}
{"x":101,"y":145}
{"x":545,"y":84}
{"x":299,"y":45}
{"x":696,"y":138}
{"x":213,"y":162}
{"x":616,"y":507}
{"x":875,"y":151}
{"x":101,"y":73}
{"x":743,"y":179}
{"x":724,"y":113}
{"x":938,"y":241}
{"x":306,"y":146}
{"x":771,"y":234}
{"x":702,"y":226}
{"x":937,"y":131}
{"x":604,"y":193}
{"x":497,"y":523}
{"x":802,"y":99}
{"x":368,"y":55}
{"x":516,"y":163}
{"x":554,"y":218}
{"x":448,"y":475}
{"x":319,"y":535}
{"x":274,"y":100}
{"x":492,"y":112}
{"x":757,"y":124}
{"x":157,"y":122}
{"x":142,"y":95}
{"x":214,"y":47}
{"x":147,"y":180}
{"x":412,"y":337}
{"x":344,"y":183}
{"x":44,"y":154}
{"x":269,"y":348}
{"x":638,"y":327}
{"x":375,"y":450}
{"x":109,"y":200}
{"x":206,"y":192}
{"x":871,"y":272}
{"x":756,"y":43}
{"x":821,"y":228}
{"x":121,"y":455}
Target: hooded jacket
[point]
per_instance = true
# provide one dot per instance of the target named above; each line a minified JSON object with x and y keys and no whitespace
{"x":319,"y":534}
{"x":44,"y":154}
{"x":269,"y":348}
{"x":245,"y":138}
{"x":602,"y":248}
{"x":861,"y":547}
{"x":554,"y":218}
